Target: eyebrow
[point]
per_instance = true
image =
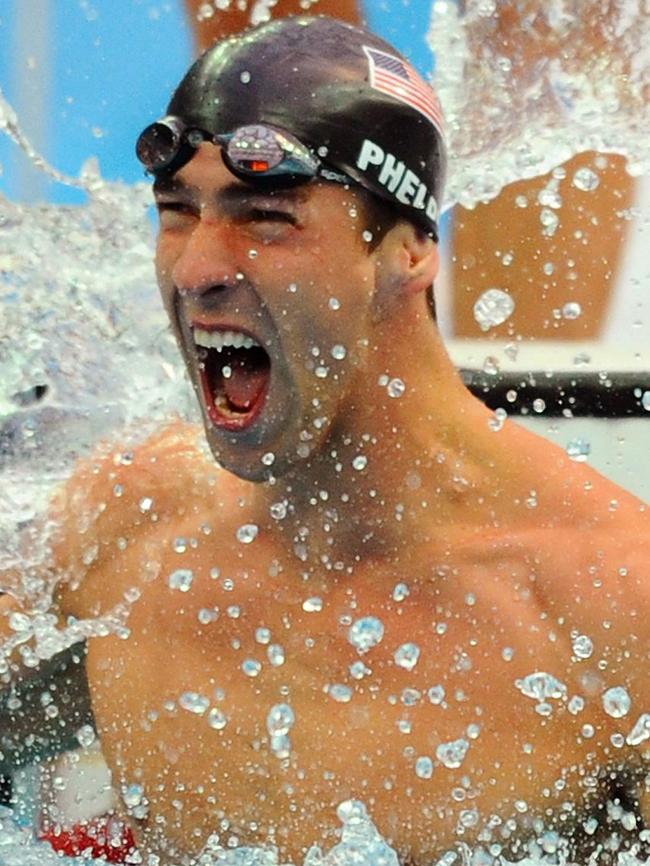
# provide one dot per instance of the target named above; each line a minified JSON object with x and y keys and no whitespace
{"x":233,"y":194}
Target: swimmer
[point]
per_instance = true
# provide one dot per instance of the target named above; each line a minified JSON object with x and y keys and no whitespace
{"x":367,"y":586}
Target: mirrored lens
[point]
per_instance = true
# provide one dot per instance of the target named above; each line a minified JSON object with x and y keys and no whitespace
{"x":157,"y":145}
{"x":255,"y":149}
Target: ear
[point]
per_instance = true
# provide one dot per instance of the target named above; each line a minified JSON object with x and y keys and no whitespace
{"x":407,"y":260}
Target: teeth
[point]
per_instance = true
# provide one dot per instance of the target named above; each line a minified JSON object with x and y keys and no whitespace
{"x":219,"y":339}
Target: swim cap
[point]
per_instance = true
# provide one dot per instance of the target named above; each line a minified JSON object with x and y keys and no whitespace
{"x":342,"y":91}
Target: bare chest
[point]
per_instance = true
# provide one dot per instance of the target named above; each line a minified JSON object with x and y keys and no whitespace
{"x":266,"y":700}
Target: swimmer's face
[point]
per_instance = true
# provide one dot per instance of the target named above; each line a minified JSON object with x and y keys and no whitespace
{"x":270,"y":296}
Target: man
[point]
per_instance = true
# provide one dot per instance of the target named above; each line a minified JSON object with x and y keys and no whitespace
{"x":379,"y":591}
{"x":527,"y":37}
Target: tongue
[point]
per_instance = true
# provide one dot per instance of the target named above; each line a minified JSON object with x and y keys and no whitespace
{"x":245,"y":384}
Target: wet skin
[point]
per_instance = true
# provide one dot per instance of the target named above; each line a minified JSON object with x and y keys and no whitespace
{"x":508,"y":548}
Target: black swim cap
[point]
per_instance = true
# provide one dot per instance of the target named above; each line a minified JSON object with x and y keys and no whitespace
{"x":342,"y":91}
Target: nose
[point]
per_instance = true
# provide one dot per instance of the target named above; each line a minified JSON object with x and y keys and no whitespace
{"x":206,"y":260}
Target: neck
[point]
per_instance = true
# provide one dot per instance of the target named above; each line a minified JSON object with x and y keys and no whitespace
{"x":392,"y":475}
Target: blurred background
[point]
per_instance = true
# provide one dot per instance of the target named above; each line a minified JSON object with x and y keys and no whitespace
{"x":85,"y":76}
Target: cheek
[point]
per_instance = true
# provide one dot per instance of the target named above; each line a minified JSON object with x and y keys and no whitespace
{"x":164,"y":266}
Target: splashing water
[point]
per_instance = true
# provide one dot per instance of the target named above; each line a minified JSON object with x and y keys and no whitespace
{"x":526,"y":85}
{"x":85,"y":351}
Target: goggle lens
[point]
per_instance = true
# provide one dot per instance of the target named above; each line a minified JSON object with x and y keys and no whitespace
{"x":255,"y":150}
{"x":159,"y":144}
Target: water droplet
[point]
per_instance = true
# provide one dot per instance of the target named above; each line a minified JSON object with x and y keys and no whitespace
{"x":194,"y":702}
{"x":280,"y":745}
{"x":436,"y":694}
{"x":493,"y":308}
{"x":145,"y":504}
{"x":85,"y":736}
{"x":360,"y":462}
{"x":572,"y":310}
{"x":407,"y":655}
{"x":551,"y":198}
{"x":587,"y":731}
{"x":275,"y":654}
{"x":252,"y":254}
{"x":491,"y":365}
{"x":367,"y":236}
{"x":586,"y":179}
{"x":645,"y":400}
{"x":541,"y":686}
{"x":338,"y":352}
{"x":334,"y":304}
{"x":576,"y":705}
{"x":640,"y":732}
{"x":280,"y":720}
{"x":396,"y":388}
{"x":400,"y":592}
{"x":262,"y":635}
{"x":207,"y":615}
{"x":312,"y":605}
{"x":550,"y":221}
{"x":578,"y":450}
{"x":245,"y":77}
{"x":452,"y":755}
{"x":179,"y":545}
{"x":132,"y":795}
{"x":216,"y":719}
{"x":582,"y":646}
{"x":617,"y":702}
{"x":424,"y":767}
{"x":358,"y":670}
{"x":507,"y":653}
{"x":410,"y":697}
{"x":268,"y":459}
{"x":247,"y":533}
{"x":539,"y":405}
{"x":251,"y":667}
{"x":340,"y":693}
{"x":278,"y":510}
{"x":366,"y":633}
{"x":181,"y":579}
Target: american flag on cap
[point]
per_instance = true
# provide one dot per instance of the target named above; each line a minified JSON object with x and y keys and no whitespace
{"x":397,"y":78}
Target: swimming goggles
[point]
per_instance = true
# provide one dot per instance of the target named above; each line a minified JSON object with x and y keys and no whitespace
{"x":256,"y":151}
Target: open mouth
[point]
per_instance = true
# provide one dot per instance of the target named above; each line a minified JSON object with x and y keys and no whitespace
{"x":235,"y":371}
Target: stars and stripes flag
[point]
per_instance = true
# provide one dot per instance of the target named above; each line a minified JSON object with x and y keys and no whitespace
{"x":398,"y":79}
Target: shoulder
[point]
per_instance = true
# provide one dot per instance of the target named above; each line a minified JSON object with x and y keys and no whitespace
{"x":125,"y":493}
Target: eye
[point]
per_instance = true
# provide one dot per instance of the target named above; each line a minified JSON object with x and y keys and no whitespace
{"x":173,"y":213}
{"x":268,"y":215}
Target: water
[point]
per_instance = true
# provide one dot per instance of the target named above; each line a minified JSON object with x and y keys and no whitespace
{"x":567,"y":81}
{"x":85,"y":352}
